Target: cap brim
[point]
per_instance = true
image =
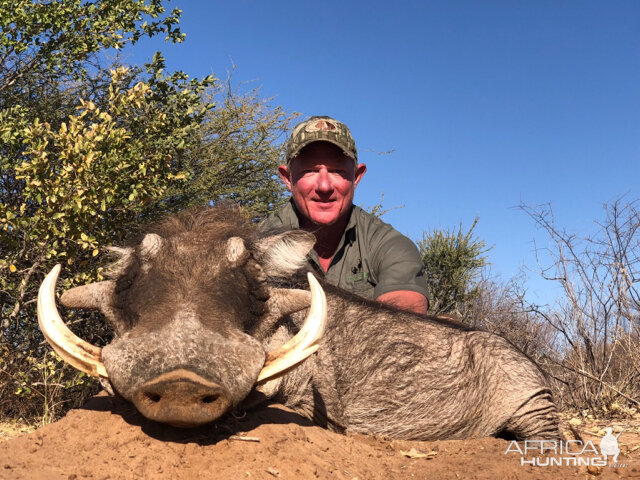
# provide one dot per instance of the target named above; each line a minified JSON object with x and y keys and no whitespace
{"x":297,"y":151}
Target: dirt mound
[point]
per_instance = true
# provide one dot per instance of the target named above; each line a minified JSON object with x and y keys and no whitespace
{"x":110,"y":440}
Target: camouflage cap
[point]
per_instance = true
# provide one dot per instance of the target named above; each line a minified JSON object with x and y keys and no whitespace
{"x":321,"y":129}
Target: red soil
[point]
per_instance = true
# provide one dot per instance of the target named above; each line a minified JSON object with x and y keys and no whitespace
{"x":110,"y":440}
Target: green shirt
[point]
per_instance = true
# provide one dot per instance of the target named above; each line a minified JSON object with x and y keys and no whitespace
{"x":372,"y":257}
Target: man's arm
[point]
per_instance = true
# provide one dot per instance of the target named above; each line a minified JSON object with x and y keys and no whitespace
{"x":399,"y":273}
{"x":406,"y":300}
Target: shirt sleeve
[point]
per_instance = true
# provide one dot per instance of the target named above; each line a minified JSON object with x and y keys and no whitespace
{"x":398,"y":266}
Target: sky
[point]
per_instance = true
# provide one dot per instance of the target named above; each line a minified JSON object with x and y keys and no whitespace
{"x":484,"y":105}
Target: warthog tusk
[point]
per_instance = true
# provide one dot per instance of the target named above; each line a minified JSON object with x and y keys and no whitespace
{"x":304,"y":343}
{"x":73,"y":350}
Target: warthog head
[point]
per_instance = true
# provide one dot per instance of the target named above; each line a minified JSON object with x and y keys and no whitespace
{"x":186,"y":303}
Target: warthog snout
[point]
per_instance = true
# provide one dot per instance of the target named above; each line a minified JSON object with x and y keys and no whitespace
{"x":182,"y":398}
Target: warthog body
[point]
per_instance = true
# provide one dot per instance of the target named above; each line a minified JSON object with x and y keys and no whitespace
{"x":405,"y":376}
{"x":195,"y":309}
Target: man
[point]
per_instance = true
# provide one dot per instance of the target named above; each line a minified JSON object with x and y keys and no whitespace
{"x":355,"y":250}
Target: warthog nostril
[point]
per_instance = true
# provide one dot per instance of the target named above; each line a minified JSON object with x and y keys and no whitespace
{"x":154,"y":397}
{"x":209,"y":398}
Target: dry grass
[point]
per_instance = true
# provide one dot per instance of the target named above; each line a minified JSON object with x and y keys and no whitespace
{"x":15,"y":428}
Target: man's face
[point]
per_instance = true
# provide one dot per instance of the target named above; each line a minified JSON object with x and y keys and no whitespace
{"x":322,"y":181}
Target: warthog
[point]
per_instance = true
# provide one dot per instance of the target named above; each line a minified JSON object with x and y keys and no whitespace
{"x":202,"y":306}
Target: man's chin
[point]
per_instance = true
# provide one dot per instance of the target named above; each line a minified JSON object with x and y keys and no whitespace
{"x":324,"y":219}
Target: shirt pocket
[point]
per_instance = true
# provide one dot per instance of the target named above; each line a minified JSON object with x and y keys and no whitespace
{"x":360,"y":285}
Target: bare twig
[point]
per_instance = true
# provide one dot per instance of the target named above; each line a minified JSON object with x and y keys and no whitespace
{"x":23,"y":287}
{"x":244,"y":439}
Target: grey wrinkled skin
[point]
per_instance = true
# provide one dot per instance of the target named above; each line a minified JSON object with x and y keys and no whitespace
{"x":399,"y":375}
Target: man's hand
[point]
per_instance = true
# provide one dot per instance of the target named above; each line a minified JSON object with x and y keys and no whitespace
{"x":406,"y":300}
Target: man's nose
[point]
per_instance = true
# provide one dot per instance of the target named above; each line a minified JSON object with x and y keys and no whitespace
{"x":323,"y":182}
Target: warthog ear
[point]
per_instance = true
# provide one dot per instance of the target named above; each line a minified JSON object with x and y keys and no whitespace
{"x":236,"y":251}
{"x":283,"y":254}
{"x":150,"y":245}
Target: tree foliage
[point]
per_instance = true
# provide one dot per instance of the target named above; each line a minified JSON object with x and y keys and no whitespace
{"x":238,"y":152}
{"x":91,"y":151}
{"x":55,"y":38}
{"x":453,"y":262}
{"x":379,"y":210}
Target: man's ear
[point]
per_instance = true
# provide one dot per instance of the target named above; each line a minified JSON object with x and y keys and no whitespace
{"x":361,"y":168}
{"x":285,"y":175}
